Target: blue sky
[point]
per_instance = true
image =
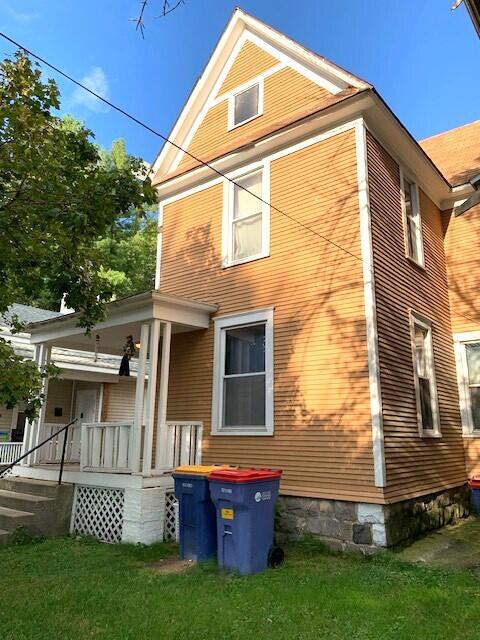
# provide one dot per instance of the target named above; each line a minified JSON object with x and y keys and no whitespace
{"x":422,"y":58}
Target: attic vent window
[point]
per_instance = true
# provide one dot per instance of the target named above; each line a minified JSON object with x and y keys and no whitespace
{"x":245,"y":105}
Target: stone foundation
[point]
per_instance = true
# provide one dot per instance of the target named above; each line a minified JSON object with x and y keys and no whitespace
{"x":144,"y":515}
{"x":369,"y":527}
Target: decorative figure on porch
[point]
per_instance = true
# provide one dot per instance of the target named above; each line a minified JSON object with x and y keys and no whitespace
{"x":128,"y":352}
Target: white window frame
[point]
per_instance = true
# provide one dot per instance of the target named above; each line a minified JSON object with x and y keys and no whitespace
{"x":228,"y":206}
{"x":231,"y":103}
{"x":221,"y":324}
{"x":460,"y":340}
{"x":418,"y":214}
{"x":417,"y":319}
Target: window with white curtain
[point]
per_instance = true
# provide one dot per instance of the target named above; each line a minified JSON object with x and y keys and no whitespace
{"x":473,"y":364}
{"x":243,"y":374}
{"x":467,"y":350}
{"x":412,"y":220}
{"x":246,"y":222}
{"x":424,"y":376}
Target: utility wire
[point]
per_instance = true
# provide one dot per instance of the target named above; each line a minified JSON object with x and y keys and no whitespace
{"x":191,"y":155}
{"x":165,"y":139}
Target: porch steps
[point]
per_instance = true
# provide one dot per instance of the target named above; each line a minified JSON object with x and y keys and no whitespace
{"x":42,"y":507}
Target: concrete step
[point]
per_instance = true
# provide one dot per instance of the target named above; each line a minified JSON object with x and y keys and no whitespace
{"x":4,"y":536}
{"x":11,"y":519}
{"x":44,"y":488}
{"x":22,"y":501}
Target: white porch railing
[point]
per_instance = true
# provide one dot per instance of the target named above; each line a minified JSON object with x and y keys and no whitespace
{"x":51,"y":452}
{"x":106,"y":447}
{"x":184,"y":443}
{"x":9,"y":452}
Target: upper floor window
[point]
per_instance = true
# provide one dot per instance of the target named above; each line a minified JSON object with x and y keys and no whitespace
{"x":424,"y":375}
{"x":468,"y":366}
{"x":412,"y":219}
{"x":243,"y":374}
{"x":245,"y":105}
{"x":246,"y":218}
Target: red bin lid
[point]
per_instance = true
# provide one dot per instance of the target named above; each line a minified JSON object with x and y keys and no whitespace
{"x":474,"y":482}
{"x":244,"y":475}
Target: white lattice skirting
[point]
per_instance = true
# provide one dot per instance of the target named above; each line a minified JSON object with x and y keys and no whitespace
{"x":171,"y":517}
{"x":98,"y":512}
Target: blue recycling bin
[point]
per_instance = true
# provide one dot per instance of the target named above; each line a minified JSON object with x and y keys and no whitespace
{"x":474,"y":485}
{"x":198,"y":533}
{"x":245,"y":506}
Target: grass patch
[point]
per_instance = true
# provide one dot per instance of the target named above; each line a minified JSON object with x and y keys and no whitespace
{"x":69,"y":589}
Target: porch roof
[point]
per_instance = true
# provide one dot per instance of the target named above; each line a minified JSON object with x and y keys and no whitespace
{"x":123,"y":318}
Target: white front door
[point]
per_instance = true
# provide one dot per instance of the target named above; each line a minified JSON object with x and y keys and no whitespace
{"x":86,"y":405}
{"x":85,"y":411}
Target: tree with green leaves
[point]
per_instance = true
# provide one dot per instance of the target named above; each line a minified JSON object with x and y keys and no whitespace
{"x":58,"y":197}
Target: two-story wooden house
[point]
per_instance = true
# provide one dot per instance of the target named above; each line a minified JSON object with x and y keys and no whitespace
{"x":302,"y":317}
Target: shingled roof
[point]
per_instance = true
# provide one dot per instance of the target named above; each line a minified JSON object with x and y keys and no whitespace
{"x":456,"y":152}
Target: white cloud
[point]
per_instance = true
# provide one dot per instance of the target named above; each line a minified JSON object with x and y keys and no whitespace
{"x":96,"y":80}
{"x":20,"y":16}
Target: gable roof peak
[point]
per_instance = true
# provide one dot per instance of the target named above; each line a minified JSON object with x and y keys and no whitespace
{"x":242,"y":27}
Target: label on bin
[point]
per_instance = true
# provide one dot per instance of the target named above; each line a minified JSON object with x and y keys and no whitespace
{"x":263,"y":495}
{"x":227,"y":514}
{"x":187,"y":485}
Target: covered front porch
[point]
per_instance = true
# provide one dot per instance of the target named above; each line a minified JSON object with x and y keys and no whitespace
{"x":138,"y":449}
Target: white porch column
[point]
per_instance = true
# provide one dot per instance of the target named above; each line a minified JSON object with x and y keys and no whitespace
{"x":151,"y":395}
{"x":34,"y":429}
{"x":162,"y":431}
{"x":136,"y":440}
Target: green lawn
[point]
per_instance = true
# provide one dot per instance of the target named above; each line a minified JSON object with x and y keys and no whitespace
{"x":73,"y":589}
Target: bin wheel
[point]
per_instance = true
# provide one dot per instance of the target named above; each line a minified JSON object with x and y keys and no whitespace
{"x":276,"y":556}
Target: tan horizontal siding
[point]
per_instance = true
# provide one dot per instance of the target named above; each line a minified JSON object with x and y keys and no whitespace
{"x":414,"y":465}
{"x":119,"y":402}
{"x":472,"y":456}
{"x":6,"y":416}
{"x":462,"y":249}
{"x":287,"y":94}
{"x":250,"y":61}
{"x":322,"y":436}
{"x":59,"y":395}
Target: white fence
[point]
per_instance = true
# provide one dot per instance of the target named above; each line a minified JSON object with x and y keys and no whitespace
{"x":51,"y":451}
{"x":9,"y":452}
{"x":184,"y":444}
{"x":106,"y":446}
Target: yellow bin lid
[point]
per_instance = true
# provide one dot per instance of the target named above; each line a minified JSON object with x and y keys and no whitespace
{"x":202,"y":469}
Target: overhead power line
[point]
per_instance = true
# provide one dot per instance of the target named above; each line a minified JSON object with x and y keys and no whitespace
{"x":174,"y":144}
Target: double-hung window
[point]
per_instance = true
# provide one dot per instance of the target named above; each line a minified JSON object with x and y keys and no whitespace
{"x":468,"y":365}
{"x":412,"y":220}
{"x":424,"y":376}
{"x":246,"y":219}
{"x":243,"y":374}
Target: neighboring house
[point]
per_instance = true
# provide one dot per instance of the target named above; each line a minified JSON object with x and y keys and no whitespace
{"x":302,"y":316}
{"x":87,"y":385}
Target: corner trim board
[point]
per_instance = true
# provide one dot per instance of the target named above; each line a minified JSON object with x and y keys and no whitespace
{"x":379,"y":465}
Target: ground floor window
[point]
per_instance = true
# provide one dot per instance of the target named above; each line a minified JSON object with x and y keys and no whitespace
{"x":243,"y":374}
{"x":424,"y":376}
{"x":468,"y":366}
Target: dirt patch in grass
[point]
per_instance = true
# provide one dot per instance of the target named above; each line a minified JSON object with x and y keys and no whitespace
{"x":166,"y":566}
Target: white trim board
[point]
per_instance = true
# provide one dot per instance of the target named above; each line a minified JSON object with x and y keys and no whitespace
{"x":243,"y":27}
{"x":378,"y":446}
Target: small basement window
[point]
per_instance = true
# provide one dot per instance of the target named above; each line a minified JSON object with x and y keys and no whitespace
{"x":245,"y":106}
